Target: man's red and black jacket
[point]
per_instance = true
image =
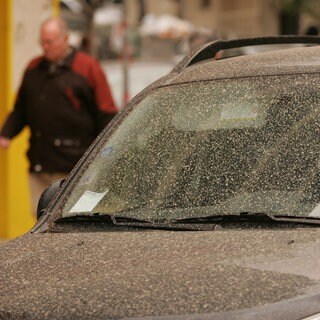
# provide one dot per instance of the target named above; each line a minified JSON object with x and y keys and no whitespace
{"x":65,"y":105}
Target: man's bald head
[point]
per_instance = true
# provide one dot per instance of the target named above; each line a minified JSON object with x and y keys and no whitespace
{"x":54,"y":39}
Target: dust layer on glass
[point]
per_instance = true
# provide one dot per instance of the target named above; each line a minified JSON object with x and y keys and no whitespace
{"x":206,"y":148}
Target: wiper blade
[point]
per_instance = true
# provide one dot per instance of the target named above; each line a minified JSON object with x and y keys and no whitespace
{"x":114,"y":218}
{"x":250,"y":217}
{"x":297,"y":219}
{"x":127,"y":221}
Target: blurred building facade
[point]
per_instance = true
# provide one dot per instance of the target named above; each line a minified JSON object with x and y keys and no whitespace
{"x":209,"y":20}
{"x":231,"y":18}
{"x":228,"y":18}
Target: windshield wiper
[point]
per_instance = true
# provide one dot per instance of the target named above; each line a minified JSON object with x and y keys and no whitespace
{"x":249,"y":217}
{"x":202,"y":223}
{"x":128,"y":221}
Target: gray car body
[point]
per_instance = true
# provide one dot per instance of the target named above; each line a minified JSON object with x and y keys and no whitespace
{"x":90,"y":273}
{"x":225,"y":274}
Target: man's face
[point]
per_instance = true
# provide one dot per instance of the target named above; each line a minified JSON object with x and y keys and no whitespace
{"x":54,"y":43}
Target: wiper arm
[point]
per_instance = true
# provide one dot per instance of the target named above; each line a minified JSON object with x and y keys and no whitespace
{"x":157,"y":224}
{"x":241,"y":216}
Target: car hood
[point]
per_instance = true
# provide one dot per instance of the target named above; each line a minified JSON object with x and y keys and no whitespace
{"x":223,"y":274}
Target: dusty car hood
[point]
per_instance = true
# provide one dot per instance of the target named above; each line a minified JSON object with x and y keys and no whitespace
{"x":106,"y":275}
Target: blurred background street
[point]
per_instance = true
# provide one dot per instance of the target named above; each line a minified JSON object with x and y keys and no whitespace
{"x":133,"y":36}
{"x":136,"y":41}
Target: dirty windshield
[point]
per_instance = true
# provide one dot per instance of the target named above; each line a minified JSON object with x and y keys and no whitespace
{"x":206,"y":148}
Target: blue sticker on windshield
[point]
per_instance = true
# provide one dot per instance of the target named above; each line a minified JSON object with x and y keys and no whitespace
{"x":107,"y":151}
{"x":87,"y":178}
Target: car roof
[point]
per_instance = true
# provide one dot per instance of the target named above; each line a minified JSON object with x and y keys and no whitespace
{"x":302,"y":59}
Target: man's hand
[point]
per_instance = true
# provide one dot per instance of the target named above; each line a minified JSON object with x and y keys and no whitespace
{"x":4,"y":142}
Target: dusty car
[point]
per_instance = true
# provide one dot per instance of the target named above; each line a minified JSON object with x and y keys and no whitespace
{"x":199,"y":201}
